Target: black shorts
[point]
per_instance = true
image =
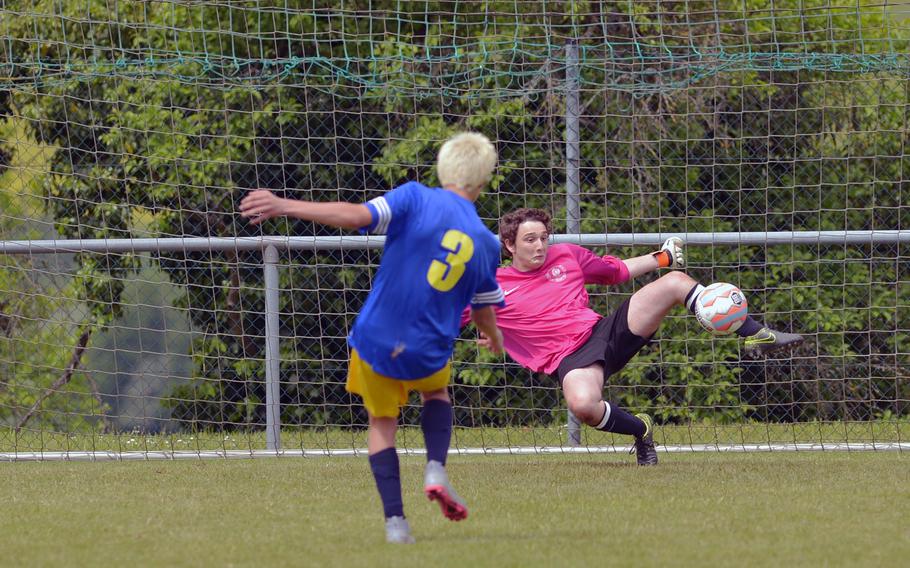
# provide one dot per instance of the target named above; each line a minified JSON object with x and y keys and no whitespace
{"x":611,"y":344}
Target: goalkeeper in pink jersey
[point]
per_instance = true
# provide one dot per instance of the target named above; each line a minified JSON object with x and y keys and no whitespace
{"x":548,"y":326}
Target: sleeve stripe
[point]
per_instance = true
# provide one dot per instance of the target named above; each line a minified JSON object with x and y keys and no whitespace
{"x":497,"y":292}
{"x":385,"y":215}
{"x":492,"y":297}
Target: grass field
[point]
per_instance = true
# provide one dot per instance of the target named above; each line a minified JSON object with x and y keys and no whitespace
{"x":768,"y":509}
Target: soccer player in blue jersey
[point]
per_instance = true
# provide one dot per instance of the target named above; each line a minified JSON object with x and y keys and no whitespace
{"x":438,"y":258}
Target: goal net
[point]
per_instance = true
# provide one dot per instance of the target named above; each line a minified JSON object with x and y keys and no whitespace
{"x":133,"y":308}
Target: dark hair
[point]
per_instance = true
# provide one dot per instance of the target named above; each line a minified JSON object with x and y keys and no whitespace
{"x":508,"y":225}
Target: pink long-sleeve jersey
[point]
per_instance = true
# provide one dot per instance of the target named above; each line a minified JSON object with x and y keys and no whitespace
{"x":547,"y":315}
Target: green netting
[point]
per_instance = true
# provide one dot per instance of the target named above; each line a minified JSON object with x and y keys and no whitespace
{"x":433,"y":48}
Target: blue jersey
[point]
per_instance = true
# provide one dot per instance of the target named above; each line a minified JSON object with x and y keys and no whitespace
{"x":438,"y":258}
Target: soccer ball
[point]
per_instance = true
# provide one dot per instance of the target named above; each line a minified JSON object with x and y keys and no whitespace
{"x":721,"y":308}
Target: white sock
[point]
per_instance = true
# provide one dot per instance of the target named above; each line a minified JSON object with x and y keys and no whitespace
{"x":603,"y":422}
{"x":694,"y":293}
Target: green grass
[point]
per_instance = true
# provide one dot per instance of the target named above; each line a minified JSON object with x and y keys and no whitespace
{"x":411,"y":437}
{"x":770,"y":509}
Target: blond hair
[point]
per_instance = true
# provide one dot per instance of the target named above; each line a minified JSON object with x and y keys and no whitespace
{"x":466,"y":160}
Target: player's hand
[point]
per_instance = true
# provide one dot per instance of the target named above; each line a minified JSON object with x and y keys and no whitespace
{"x":260,"y":205}
{"x":676,"y":248}
{"x":493,"y":344}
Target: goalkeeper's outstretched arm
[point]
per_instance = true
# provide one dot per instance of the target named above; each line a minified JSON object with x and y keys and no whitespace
{"x":672,"y":254}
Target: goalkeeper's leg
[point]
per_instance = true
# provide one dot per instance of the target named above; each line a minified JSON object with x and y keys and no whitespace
{"x":650,"y":305}
{"x":760,"y":340}
{"x":583,"y":387}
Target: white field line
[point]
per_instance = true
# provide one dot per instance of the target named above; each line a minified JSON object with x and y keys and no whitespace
{"x":522,"y":450}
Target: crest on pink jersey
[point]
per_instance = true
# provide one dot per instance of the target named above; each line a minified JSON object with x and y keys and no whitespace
{"x":557,"y":273}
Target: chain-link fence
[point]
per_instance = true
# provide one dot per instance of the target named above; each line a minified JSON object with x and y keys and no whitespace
{"x":152,"y":120}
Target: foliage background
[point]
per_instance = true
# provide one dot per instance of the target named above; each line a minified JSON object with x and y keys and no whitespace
{"x":696,"y":116}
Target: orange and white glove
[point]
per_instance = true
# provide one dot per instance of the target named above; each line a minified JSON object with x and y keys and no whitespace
{"x":672,"y":254}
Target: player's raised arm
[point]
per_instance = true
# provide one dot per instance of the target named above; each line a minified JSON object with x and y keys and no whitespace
{"x":262,"y":204}
{"x":672,"y":254}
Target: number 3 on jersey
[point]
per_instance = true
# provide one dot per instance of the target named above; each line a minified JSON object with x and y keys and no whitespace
{"x":443,"y":275}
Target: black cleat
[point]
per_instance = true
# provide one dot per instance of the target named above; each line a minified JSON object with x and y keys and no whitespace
{"x":644,"y":449}
{"x":768,"y":341}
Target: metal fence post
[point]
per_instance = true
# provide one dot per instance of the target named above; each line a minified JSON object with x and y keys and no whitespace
{"x":272,"y":390}
{"x":573,"y":183}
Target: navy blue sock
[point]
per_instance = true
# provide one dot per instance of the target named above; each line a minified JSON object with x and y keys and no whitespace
{"x":388,"y":481}
{"x":618,"y":420}
{"x":436,"y":422}
{"x":749,"y":327}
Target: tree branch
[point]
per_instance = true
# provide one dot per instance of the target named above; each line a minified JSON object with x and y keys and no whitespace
{"x":65,"y":378}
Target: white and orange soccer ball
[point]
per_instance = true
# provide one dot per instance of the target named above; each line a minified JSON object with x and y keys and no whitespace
{"x":721,"y":308}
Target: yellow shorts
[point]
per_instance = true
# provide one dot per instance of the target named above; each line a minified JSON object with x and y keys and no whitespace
{"x":383,"y":396}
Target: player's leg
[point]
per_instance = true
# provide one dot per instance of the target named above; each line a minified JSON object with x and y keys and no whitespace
{"x":583,"y":390}
{"x":382,"y":398}
{"x":381,"y":433}
{"x":436,"y":418}
{"x":385,"y":467}
{"x":436,"y":422}
{"x":650,"y":305}
{"x":610,"y":347}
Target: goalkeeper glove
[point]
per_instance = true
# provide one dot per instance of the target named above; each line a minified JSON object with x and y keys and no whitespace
{"x":672,"y":254}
